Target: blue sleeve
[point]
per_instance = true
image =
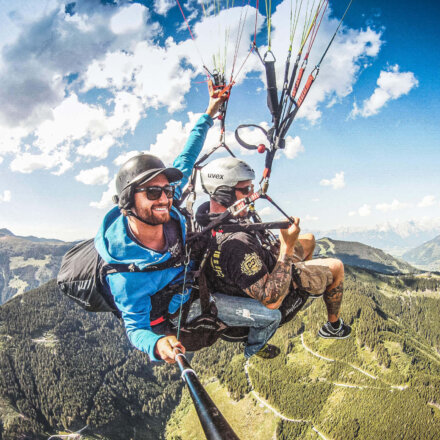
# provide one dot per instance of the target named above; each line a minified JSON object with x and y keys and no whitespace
{"x":135,"y":310}
{"x":187,"y":158}
{"x":142,"y":338}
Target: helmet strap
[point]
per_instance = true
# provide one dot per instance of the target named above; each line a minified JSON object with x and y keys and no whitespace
{"x":130,"y":213}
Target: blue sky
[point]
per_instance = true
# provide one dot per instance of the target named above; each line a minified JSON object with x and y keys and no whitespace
{"x":83,"y":87}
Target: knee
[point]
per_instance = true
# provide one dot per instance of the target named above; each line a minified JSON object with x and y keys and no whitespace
{"x":308,"y":243}
{"x":274,"y":316}
{"x":337,"y":269}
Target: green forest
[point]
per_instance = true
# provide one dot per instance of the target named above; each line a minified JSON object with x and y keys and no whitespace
{"x":381,"y":383}
{"x":63,"y":368}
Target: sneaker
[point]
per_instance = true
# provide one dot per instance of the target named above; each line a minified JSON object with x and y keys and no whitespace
{"x":268,"y":352}
{"x":327,"y":331}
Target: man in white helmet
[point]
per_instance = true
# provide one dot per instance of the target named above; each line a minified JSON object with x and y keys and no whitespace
{"x":242,"y":265}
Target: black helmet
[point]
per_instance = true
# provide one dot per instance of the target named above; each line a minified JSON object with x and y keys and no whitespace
{"x":136,"y":171}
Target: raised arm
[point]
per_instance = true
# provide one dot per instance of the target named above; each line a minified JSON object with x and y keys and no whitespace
{"x":272,"y":288}
{"x":186,"y":159}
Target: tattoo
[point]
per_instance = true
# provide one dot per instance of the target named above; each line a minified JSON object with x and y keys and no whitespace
{"x":273,"y":287}
{"x":333,"y":299}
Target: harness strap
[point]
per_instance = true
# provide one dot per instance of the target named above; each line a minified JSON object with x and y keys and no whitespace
{"x":157,"y":321}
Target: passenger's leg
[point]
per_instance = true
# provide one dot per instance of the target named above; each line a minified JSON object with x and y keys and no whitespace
{"x":244,"y":312}
{"x":333,"y":291}
{"x":308,"y":244}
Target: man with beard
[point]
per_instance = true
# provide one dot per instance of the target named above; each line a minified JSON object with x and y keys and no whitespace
{"x":147,"y":232}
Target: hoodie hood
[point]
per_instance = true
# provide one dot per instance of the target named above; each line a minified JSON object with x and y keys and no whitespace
{"x":114,"y":244}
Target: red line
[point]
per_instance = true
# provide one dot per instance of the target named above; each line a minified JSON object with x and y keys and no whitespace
{"x":186,"y":21}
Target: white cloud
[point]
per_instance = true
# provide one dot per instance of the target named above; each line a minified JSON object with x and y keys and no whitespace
{"x":363,"y":211}
{"x":392,"y":84}
{"x":311,"y":218}
{"x":106,"y":201}
{"x":122,"y":158}
{"x":349,"y":52}
{"x":94,"y":176}
{"x":27,"y":162}
{"x":393,"y":206}
{"x":266,"y":211}
{"x":5,"y":197}
{"x":427,"y":201}
{"x":47,"y":107}
{"x":293,"y":147}
{"x":336,"y":182}
{"x":162,"y":7}
{"x":97,"y":147}
{"x":171,"y":140}
{"x":128,"y":19}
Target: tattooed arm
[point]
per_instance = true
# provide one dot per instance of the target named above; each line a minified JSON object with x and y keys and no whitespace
{"x":274,"y":287}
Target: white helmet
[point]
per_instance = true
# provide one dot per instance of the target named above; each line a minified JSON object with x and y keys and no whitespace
{"x":220,"y":176}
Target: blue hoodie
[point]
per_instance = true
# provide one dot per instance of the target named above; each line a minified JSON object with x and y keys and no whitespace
{"x":132,"y":291}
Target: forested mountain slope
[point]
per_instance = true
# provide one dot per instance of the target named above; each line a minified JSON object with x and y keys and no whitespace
{"x":63,"y":368}
{"x":381,"y":383}
{"x":426,"y":256}
{"x":27,"y":262}
{"x":361,"y":255}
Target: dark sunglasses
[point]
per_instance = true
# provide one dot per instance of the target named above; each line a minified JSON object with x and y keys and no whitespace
{"x":155,"y":192}
{"x":245,"y":190}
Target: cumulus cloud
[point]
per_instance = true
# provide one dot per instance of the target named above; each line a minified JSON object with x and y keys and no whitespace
{"x":336,"y":182}
{"x":293,"y":147}
{"x":162,"y":7}
{"x":94,"y":176}
{"x":311,"y":218}
{"x":350,"y":51}
{"x":363,"y":211}
{"x":5,"y":197}
{"x":106,"y":201}
{"x":28,"y":162}
{"x":128,"y":19}
{"x":266,"y":211}
{"x":57,"y":45}
{"x":393,"y":206}
{"x":427,"y":201}
{"x":392,"y":84}
{"x":170,"y":141}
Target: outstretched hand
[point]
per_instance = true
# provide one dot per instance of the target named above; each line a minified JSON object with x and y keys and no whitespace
{"x":165,"y":349}
{"x":215,"y":101}
{"x":289,"y":237}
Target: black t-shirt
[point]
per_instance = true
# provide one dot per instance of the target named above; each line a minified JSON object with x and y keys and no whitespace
{"x":239,"y":261}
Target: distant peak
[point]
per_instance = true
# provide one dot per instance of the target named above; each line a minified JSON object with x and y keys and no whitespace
{"x":6,"y":232}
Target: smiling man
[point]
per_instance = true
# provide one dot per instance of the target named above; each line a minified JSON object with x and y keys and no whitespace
{"x":148,"y":233}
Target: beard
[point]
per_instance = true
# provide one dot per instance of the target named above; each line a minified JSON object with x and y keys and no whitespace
{"x":153,"y":216}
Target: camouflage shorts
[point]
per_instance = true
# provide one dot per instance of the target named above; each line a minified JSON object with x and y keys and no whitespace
{"x":314,"y":277}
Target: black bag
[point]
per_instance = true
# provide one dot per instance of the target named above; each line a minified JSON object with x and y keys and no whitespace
{"x":204,"y":330}
{"x":82,"y":277}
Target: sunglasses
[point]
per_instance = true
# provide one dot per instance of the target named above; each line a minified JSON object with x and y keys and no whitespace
{"x":245,"y":190}
{"x":155,"y":192}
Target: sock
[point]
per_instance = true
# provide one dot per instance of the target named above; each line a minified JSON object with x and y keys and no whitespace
{"x":336,"y":324}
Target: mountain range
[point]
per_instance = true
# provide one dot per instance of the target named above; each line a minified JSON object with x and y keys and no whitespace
{"x":27,"y":262}
{"x":361,"y":255}
{"x":426,"y":256}
{"x":394,"y":238}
